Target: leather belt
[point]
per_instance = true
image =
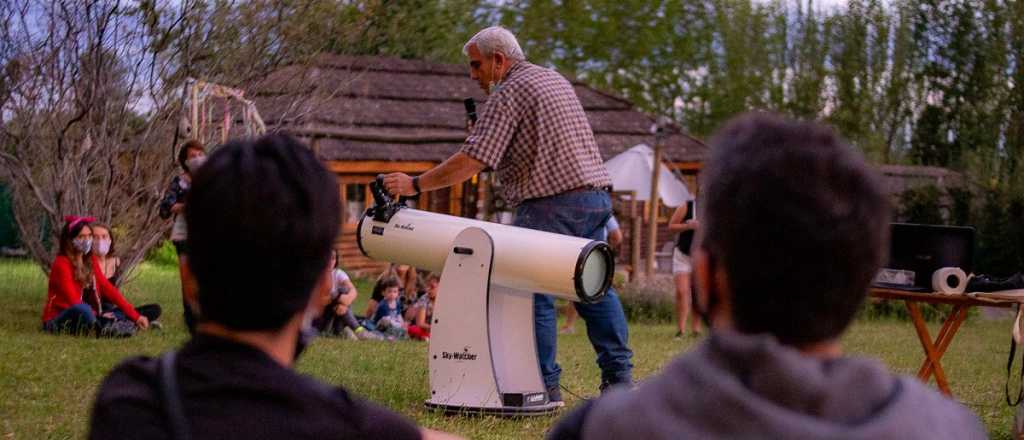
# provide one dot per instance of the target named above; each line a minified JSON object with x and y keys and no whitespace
{"x":588,"y":188}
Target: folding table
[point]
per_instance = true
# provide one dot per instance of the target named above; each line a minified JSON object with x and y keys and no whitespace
{"x":934,"y":349}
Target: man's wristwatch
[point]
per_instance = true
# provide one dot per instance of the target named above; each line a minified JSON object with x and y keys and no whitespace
{"x":416,"y":184}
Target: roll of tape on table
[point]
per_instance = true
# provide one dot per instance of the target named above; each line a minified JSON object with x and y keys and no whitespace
{"x":949,"y":280}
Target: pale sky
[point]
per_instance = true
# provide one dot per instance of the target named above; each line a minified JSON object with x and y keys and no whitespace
{"x":823,"y":4}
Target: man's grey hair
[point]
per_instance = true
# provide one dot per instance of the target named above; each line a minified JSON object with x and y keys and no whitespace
{"x":495,"y":39}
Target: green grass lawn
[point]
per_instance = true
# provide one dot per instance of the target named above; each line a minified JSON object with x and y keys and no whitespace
{"x":47,"y":382}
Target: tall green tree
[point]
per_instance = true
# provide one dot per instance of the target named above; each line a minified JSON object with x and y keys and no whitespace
{"x":805,"y":67}
{"x":1012,"y":151}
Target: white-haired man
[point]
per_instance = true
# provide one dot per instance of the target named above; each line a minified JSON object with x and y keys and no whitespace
{"x":534,"y":134}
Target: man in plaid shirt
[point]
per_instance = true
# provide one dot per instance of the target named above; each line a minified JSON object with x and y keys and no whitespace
{"x":534,"y":133}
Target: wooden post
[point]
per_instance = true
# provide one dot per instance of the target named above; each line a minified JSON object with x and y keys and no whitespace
{"x":227,"y":122}
{"x":343,"y":192}
{"x":485,"y":197}
{"x":652,"y":221}
{"x":194,"y":95}
{"x":635,"y":226}
{"x":314,"y":144}
{"x":424,"y":203}
{"x":344,"y":214}
{"x":455,"y":200}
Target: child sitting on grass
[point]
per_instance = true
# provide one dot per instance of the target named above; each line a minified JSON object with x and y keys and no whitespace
{"x":337,"y":318}
{"x":408,"y":282}
{"x":388,"y":317}
{"x":420,"y":328}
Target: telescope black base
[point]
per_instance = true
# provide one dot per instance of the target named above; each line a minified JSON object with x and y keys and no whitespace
{"x":504,"y":411}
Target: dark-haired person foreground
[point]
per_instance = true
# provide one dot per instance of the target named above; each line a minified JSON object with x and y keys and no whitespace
{"x":262,"y":216}
{"x":793,"y":228}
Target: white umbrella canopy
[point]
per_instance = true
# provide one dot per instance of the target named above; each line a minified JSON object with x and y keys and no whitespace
{"x":631,"y":171}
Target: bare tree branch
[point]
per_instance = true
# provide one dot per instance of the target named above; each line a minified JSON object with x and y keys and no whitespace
{"x":91,"y":102}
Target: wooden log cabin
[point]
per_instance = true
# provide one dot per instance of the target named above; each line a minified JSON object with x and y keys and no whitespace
{"x":370,"y":115}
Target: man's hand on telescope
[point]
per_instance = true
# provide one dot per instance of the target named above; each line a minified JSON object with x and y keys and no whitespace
{"x":399,"y":184}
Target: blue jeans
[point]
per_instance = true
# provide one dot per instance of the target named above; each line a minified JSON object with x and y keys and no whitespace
{"x":580,"y":214}
{"x":76,"y":319}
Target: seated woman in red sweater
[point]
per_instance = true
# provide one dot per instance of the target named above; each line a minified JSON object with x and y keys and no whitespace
{"x":77,"y":286}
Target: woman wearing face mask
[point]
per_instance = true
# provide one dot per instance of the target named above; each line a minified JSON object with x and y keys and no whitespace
{"x":77,"y":286}
{"x":191,"y":156}
{"x":103,"y":251}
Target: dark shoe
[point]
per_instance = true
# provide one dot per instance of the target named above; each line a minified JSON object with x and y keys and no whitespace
{"x":606,"y":385}
{"x":555,"y":395}
{"x":679,"y":334}
{"x":987,"y":283}
{"x":117,"y":329}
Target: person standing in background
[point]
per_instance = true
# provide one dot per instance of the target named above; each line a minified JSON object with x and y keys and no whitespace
{"x":683,"y":221}
{"x":191,"y":156}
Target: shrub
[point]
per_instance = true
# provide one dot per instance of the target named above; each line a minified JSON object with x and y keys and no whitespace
{"x":163,"y":255}
{"x":875,"y":308}
{"x":649,"y":301}
{"x":921,"y":205}
{"x":653,"y":302}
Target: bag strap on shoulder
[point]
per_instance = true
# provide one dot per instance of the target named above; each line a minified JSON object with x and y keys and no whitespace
{"x":1014,"y":339}
{"x":171,"y":397}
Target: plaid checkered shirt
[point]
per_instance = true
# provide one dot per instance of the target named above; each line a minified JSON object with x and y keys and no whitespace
{"x":534,"y":134}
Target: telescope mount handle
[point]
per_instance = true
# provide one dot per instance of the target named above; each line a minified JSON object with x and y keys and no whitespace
{"x":384,"y":207}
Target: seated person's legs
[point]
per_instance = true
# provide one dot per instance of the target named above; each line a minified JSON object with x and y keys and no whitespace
{"x":152,"y":312}
{"x":77,"y":319}
{"x":349,"y":319}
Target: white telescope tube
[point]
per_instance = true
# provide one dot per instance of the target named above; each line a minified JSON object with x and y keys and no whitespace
{"x":577,"y":269}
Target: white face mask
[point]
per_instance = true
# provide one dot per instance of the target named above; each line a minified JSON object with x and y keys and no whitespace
{"x":102,"y":247}
{"x":194,"y":163}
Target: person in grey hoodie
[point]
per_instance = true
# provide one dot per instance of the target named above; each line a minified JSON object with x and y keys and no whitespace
{"x":794,"y":227}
